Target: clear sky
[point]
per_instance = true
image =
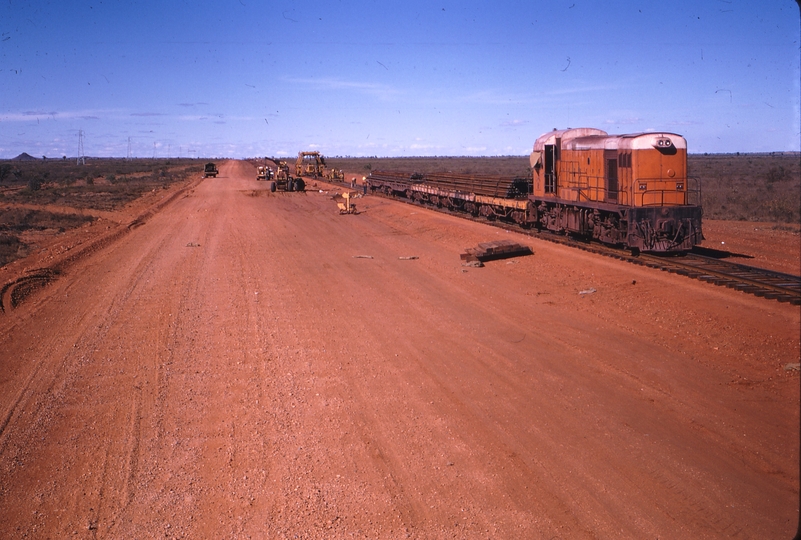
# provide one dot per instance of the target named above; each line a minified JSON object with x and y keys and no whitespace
{"x":246,"y":78}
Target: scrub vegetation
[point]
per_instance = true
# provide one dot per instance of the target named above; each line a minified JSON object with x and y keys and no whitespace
{"x":735,"y":187}
{"x":37,"y":196}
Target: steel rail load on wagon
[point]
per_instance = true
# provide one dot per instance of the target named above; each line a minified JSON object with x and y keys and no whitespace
{"x":630,"y":190}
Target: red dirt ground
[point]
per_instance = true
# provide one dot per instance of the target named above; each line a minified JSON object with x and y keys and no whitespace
{"x":235,"y":366}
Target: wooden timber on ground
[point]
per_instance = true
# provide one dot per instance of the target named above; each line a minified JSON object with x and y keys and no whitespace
{"x":499,"y":249}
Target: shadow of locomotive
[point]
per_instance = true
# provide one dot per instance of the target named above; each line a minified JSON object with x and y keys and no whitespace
{"x":718,"y":253}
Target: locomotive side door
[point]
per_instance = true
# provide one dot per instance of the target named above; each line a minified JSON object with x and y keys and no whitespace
{"x":610,"y":158}
{"x":550,"y":168}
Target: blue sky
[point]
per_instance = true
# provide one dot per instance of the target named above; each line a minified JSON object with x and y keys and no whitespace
{"x":243,"y":78}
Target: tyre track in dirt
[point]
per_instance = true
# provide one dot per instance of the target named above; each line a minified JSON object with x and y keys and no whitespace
{"x":228,"y":368}
{"x":382,"y":456}
{"x":89,"y":341}
{"x":94,"y":330}
{"x":706,"y":508}
{"x":15,"y":290}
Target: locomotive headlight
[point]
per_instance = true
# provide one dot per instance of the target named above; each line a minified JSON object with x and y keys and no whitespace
{"x":643,"y":186}
{"x":679,"y":186}
{"x":664,"y":145}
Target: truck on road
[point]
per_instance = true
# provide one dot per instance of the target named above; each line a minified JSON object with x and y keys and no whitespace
{"x":210,"y":170}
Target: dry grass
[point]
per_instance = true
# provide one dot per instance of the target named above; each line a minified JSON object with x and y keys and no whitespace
{"x":749,"y":187}
{"x":502,"y":165}
{"x":736,"y":187}
{"x":101,"y":184}
{"x":15,"y":221}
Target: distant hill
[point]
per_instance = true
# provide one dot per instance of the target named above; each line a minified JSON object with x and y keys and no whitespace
{"x":24,"y":157}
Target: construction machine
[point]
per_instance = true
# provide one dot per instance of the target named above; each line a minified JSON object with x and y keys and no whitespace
{"x":283,"y":180}
{"x":264,"y":173}
{"x":344,"y":204}
{"x":310,"y":164}
{"x":210,"y":170}
{"x":334,"y":174}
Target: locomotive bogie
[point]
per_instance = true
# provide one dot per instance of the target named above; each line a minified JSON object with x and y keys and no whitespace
{"x":665,"y":228}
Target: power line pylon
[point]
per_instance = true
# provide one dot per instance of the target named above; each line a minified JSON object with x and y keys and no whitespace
{"x":81,"y":157}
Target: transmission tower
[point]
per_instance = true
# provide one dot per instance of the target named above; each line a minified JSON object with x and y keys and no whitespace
{"x":129,"y":149}
{"x":81,"y":158}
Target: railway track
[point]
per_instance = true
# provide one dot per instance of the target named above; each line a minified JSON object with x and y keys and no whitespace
{"x":739,"y":277}
{"x":748,"y":279}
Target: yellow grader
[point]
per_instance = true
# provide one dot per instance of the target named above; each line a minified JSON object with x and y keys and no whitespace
{"x":313,"y":164}
{"x":284,"y":181}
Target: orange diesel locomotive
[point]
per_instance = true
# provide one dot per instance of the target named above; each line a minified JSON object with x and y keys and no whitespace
{"x":628,"y":190}
{"x":620,"y":189}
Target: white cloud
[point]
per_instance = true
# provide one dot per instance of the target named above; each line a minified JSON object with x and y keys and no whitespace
{"x":515,"y":123}
{"x":379,"y":90}
{"x":29,"y":116}
{"x":624,"y":121}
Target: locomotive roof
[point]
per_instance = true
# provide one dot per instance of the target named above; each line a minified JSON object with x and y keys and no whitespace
{"x":592,"y":139}
{"x":569,"y":133}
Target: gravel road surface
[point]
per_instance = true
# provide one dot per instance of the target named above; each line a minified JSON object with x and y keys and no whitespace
{"x":247,"y":364}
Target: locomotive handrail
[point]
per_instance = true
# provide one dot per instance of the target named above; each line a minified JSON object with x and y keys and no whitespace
{"x":659,"y":197}
{"x":695,"y":191}
{"x":593,"y":188}
{"x":587,"y":193}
